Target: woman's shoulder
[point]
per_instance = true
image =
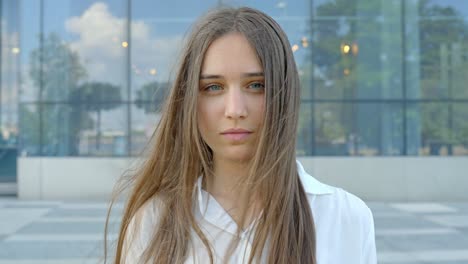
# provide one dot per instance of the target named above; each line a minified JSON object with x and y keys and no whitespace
{"x":327,"y":199}
{"x":351,"y":206}
{"x":345,"y":224}
{"x":144,"y":221}
{"x":147,"y":215}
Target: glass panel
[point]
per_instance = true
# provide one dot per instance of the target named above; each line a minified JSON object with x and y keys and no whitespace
{"x":9,"y":75}
{"x":460,"y":129}
{"x":158,"y":30}
{"x":433,"y":122}
{"x":84,"y":129}
{"x":333,"y":130}
{"x":9,"y":88}
{"x":438,"y":46}
{"x":56,"y":128}
{"x":324,"y":9}
{"x":379,"y":129}
{"x":29,"y":49}
{"x":145,"y":117}
{"x":358,"y":57}
{"x":305,"y":135}
{"x":84,"y":41}
{"x":366,"y":129}
{"x":29,"y":134}
{"x":461,"y":7}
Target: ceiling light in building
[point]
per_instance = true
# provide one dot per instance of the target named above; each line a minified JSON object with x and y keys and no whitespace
{"x":295,"y":47}
{"x":305,"y":42}
{"x":15,"y":50}
{"x":355,"y":49}
{"x":153,"y":72}
{"x":345,"y":48}
{"x":125,"y":44}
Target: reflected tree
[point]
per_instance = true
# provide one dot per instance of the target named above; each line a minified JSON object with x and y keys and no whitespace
{"x":56,"y":70}
{"x":151,"y":96}
{"x":96,"y":97}
{"x":376,"y":70}
{"x":444,"y":56}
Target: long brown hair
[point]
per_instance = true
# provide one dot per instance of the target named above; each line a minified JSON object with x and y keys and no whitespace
{"x":178,"y":156}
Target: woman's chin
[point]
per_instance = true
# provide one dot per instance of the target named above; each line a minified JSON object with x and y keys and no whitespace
{"x":237,"y":155}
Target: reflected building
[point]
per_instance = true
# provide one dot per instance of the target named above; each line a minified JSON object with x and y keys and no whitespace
{"x":384,"y":100}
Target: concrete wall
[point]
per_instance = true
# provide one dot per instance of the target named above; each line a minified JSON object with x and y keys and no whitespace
{"x":69,"y":178}
{"x":371,"y":178}
{"x":395,"y":178}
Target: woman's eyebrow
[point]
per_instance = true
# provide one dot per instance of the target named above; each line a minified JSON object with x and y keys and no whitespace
{"x":214,"y":76}
{"x":210,"y":76}
{"x":253,"y":74}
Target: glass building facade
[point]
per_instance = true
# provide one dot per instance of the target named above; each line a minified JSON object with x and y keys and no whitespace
{"x":379,"y":77}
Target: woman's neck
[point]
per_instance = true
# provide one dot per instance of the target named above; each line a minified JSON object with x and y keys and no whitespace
{"x":226,"y":185}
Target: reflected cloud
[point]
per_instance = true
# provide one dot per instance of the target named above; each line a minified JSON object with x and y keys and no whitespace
{"x":100,"y":43}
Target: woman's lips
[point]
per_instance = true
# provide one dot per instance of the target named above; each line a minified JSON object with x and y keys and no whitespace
{"x":237,"y":136}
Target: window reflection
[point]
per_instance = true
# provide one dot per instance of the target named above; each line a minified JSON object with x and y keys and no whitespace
{"x":364,"y":129}
{"x":377,"y":77}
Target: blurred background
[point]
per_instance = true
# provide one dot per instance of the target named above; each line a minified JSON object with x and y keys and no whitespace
{"x":384,"y":109}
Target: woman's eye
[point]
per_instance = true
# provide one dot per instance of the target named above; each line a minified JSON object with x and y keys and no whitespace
{"x":213,"y":87}
{"x":257,"y":86}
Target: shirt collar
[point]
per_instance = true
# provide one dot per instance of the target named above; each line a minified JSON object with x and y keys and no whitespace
{"x":213,"y":212}
{"x":312,"y":185}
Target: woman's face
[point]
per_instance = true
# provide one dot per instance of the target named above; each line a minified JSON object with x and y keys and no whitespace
{"x":231,"y":98}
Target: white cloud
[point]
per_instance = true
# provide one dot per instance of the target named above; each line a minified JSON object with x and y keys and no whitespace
{"x":99,"y":44}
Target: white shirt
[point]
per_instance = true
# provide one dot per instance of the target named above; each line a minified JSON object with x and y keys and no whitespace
{"x":343,"y":223}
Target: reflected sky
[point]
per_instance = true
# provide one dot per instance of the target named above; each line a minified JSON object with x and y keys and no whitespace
{"x":97,"y":29}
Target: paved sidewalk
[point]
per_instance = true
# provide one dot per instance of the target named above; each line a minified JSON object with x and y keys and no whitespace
{"x":55,"y":232}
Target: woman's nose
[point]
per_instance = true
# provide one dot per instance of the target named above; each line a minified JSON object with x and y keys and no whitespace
{"x":235,"y":104}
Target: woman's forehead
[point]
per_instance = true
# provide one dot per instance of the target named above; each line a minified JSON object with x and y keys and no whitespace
{"x":231,"y":54}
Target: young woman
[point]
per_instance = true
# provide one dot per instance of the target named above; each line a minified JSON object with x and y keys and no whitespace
{"x":221,"y":183}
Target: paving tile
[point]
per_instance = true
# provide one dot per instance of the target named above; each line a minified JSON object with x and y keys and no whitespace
{"x":76,"y":213}
{"x":49,"y":249}
{"x":379,"y":206}
{"x":463,"y":230}
{"x":12,"y":220}
{"x":427,"y":243}
{"x":383,"y":245}
{"x":91,"y":205}
{"x":16,"y":202}
{"x":387,"y":232}
{"x":448,"y":262}
{"x":406,"y":221}
{"x":424,"y":208}
{"x":461,"y":207}
{"x":53,"y":261}
{"x":62,"y":228}
{"x":442,"y":255}
{"x":449,"y":220}
{"x":28,"y":206}
{"x":39,"y":232}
